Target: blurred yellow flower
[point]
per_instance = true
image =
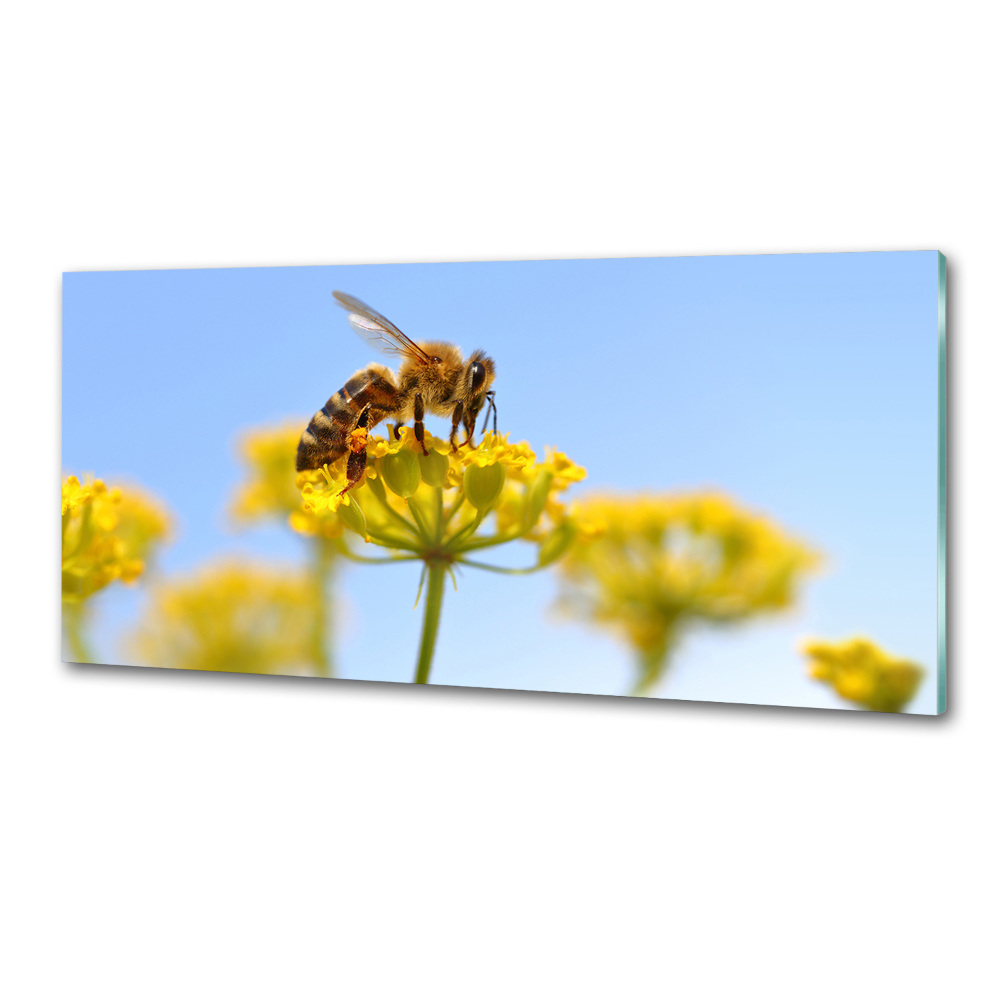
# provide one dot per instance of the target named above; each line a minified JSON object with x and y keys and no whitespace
{"x":268,"y":453}
{"x":269,"y":492}
{"x":648,"y":566}
{"x":564,"y":470}
{"x":107,"y":535}
{"x":861,"y":672}
{"x":233,"y":617}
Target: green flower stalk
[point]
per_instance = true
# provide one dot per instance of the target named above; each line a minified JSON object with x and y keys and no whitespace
{"x":445,"y":509}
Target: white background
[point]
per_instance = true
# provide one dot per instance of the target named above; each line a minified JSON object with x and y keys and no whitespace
{"x":178,"y":836}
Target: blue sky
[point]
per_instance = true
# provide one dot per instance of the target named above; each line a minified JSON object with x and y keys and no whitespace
{"x":805,"y":386}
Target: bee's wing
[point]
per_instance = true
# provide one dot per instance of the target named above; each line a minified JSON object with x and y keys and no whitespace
{"x":376,"y":329}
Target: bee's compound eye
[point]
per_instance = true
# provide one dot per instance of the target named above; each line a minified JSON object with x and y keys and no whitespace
{"x":478,"y":373}
{"x":435,"y":360}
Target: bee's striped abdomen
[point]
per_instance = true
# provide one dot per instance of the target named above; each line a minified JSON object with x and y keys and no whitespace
{"x":326,"y":438}
{"x":376,"y":387}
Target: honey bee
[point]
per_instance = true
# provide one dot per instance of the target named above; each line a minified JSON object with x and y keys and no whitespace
{"x":433,"y":377}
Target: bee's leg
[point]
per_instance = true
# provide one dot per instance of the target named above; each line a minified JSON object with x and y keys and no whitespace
{"x":418,"y":420}
{"x":491,"y":405}
{"x":396,"y":429}
{"x":356,"y":465}
{"x":470,"y":428}
{"x":456,"y":419}
{"x":357,"y":461}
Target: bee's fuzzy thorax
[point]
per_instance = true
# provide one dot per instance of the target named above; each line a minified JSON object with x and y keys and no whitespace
{"x":437,"y":383}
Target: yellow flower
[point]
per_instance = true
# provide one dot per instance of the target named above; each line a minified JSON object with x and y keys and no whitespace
{"x":861,"y":672}
{"x":379,"y":447}
{"x":322,"y":490}
{"x":232,"y":617}
{"x":647,"y":566}
{"x":433,"y":505}
{"x":564,"y":470}
{"x":107,"y":535}
{"x":497,"y":449}
{"x":441,"y":507}
{"x":76,"y":494}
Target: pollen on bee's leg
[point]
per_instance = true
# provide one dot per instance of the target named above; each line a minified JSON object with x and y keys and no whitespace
{"x":358,"y":440}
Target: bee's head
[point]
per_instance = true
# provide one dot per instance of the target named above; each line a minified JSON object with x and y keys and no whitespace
{"x":477,"y":379}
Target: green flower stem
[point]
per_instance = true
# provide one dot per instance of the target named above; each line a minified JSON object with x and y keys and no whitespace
{"x":418,"y":516}
{"x":367,"y":559}
{"x":73,"y":615}
{"x":502,"y":569}
{"x":485,"y":543}
{"x":439,"y":512}
{"x":432,"y":618}
{"x":394,"y":542}
{"x":652,"y":664}
{"x":323,"y":570}
{"x":454,"y":510}
{"x":396,"y":515}
{"x":470,"y":529}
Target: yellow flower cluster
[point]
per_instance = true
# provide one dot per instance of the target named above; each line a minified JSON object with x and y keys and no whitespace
{"x":431,"y":507}
{"x":861,"y":672}
{"x":232,"y":617}
{"x":433,"y":504}
{"x":270,"y":492}
{"x":106,"y":535}
{"x":648,"y":565}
